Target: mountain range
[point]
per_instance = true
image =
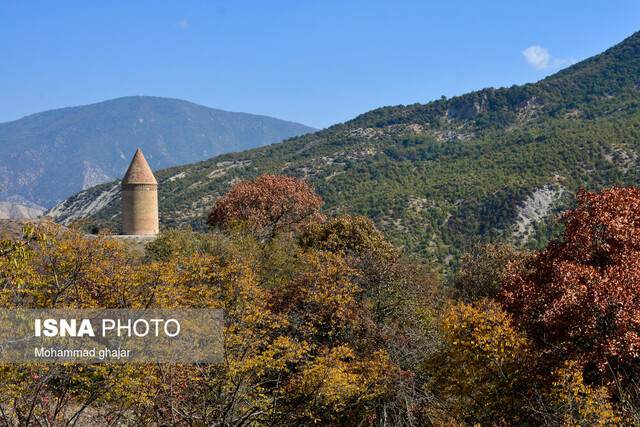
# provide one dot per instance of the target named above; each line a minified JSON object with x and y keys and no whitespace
{"x":47,"y":157}
{"x":495,"y":164}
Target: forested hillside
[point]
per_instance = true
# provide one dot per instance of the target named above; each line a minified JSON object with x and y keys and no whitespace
{"x":489,"y":165}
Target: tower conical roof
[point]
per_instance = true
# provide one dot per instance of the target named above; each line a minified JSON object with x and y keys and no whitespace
{"x":139,"y":171}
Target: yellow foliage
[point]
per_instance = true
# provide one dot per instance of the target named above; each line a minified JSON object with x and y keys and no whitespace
{"x":479,"y":368}
{"x":293,"y":320}
{"x":574,"y":403}
{"x":334,"y":382}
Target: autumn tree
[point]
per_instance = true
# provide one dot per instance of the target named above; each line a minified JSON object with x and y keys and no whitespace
{"x":571,"y":402}
{"x":357,"y":235}
{"x":580,"y":299}
{"x":52,"y":266}
{"x":390,"y":280}
{"x":399,"y":294}
{"x":296,"y":342}
{"x":478,"y":371}
{"x":482,"y":270}
{"x":271,"y":203}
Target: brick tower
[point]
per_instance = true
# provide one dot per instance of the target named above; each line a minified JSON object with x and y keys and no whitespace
{"x":139,"y":198}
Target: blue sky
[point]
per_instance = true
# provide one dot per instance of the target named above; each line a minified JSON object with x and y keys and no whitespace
{"x":314,"y":62}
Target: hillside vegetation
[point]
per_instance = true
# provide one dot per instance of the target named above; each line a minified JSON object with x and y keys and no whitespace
{"x":485,"y":166}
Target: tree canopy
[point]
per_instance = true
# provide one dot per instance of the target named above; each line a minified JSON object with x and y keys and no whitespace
{"x":580,"y":298}
{"x":270,"y":203}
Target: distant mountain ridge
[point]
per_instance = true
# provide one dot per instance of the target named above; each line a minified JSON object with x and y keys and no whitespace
{"x":489,"y":165}
{"x":15,"y":210}
{"x":48,"y":156}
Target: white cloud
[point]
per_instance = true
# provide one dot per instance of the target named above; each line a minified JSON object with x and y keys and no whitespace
{"x":540,"y":58}
{"x":537,"y":57}
{"x":183,"y":23}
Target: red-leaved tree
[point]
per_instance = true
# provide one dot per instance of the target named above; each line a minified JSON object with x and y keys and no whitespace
{"x":579,"y":299}
{"x":271,"y":203}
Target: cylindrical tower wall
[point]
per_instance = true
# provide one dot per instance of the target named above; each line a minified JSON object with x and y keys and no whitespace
{"x":140,"y":209}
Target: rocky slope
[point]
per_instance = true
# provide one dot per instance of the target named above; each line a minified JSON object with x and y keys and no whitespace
{"x":15,"y":210}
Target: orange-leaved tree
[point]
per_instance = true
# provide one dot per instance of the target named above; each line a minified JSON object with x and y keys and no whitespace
{"x":580,"y":298}
{"x":271,"y":203}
